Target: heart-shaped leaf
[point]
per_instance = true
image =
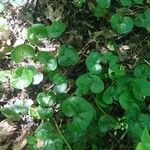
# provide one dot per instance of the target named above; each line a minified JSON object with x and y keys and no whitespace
{"x":80,"y":110}
{"x":46,"y":99}
{"x":22,"y":52}
{"x":88,"y":82}
{"x":35,"y":32}
{"x":93,"y":62}
{"x":56,"y":29}
{"x":21,"y":78}
{"x":67,"y":56}
{"x":122,"y":24}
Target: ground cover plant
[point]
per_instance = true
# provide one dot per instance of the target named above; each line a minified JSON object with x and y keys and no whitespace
{"x":76,"y":76}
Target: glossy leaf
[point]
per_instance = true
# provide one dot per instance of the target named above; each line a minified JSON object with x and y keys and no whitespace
{"x":93,"y":62}
{"x":56,"y":29}
{"x":104,"y":3}
{"x":67,"y":56}
{"x":22,"y":52}
{"x":122,"y":24}
{"x":80,"y":110}
{"x":126,"y":2}
{"x":21,"y":78}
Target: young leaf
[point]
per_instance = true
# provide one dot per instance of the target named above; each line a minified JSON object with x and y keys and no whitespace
{"x":121,"y":24}
{"x":21,"y":78}
{"x":37,"y":78}
{"x":80,"y":110}
{"x":22,"y":52}
{"x":56,"y":29}
{"x":18,"y":2}
{"x":67,"y":56}
{"x":60,"y":88}
{"x":93,"y":62}
{"x":79,"y":3}
{"x":99,"y":12}
{"x":145,"y":141}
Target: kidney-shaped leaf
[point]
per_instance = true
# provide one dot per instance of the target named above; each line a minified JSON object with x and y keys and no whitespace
{"x":122,"y":24}
{"x":104,"y":3}
{"x":80,"y":110}
{"x":56,"y":29}
{"x":87,"y":82}
{"x":93,"y":62}
{"x":21,"y":78}
{"x":67,"y":56}
{"x":46,"y":99}
{"x":21,"y":52}
{"x":35,"y":32}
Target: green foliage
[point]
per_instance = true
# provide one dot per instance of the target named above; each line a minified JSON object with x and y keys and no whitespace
{"x":22,"y":52}
{"x":67,"y":56}
{"x":80,"y":110}
{"x":145,"y":140}
{"x":143,"y":20}
{"x":122,"y":24}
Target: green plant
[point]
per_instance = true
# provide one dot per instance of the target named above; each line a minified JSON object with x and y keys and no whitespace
{"x":77,"y":112}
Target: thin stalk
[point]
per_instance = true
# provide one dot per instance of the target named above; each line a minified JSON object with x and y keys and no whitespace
{"x":107,"y":114}
{"x":67,"y":144}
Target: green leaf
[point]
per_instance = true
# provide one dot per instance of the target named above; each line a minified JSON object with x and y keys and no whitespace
{"x":126,"y":100}
{"x":18,"y":2}
{"x":44,"y":131}
{"x":21,"y":106}
{"x":138,"y":2}
{"x":126,"y":2}
{"x":141,"y":88}
{"x":142,"y":71}
{"x":67,"y":56}
{"x":105,"y":124}
{"x":93,"y":62}
{"x":80,"y":110}
{"x":79,"y":3}
{"x":145,"y":141}
{"x":143,"y":20}
{"x":44,"y":113}
{"x":10,"y":114}
{"x":46,"y":99}
{"x":60,"y":88}
{"x":99,"y":12}
{"x":88,"y":82}
{"x":56,"y":29}
{"x":35,"y":32}
{"x":109,"y":95}
{"x":59,"y":78}
{"x":121,"y":24}
{"x":37,"y":78}
{"x":21,"y":78}
{"x":104,"y":3}
{"x":22,"y":52}
{"x":54,"y":143}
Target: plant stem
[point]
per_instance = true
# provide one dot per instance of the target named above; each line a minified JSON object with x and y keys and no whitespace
{"x":107,"y":114}
{"x":68,"y":145}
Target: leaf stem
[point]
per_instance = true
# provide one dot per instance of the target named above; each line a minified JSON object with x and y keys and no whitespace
{"x":67,"y":144}
{"x":107,"y":114}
